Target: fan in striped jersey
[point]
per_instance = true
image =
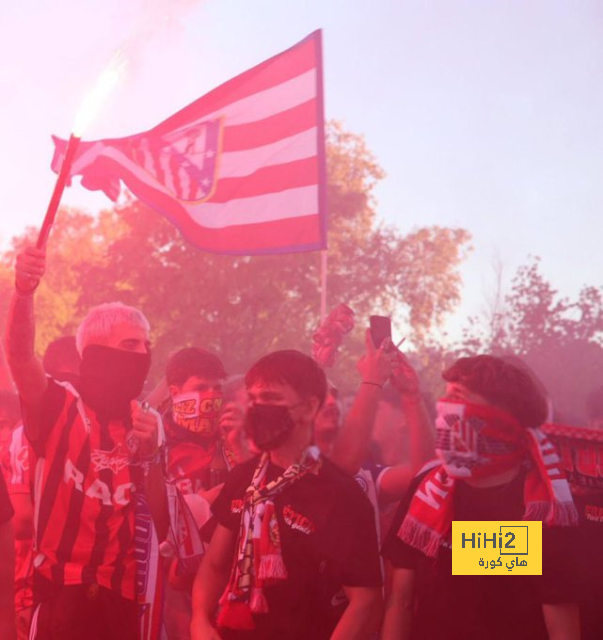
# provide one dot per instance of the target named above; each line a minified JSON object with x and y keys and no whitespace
{"x":239,"y":171}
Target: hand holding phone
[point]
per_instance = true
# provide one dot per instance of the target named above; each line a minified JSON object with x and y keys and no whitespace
{"x":375,"y":366}
{"x":381,"y":329}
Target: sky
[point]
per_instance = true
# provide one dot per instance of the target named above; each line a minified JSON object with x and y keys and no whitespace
{"x":484,"y":114}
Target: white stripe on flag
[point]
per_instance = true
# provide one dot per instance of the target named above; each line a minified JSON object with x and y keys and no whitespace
{"x":256,"y":107}
{"x":187,"y":187}
{"x":269,"y":102}
{"x":293,"y":203}
{"x":89,"y":156}
{"x":164,"y":160}
{"x":238,"y":164}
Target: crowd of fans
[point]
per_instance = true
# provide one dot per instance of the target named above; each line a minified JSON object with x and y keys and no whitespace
{"x":253,"y":506}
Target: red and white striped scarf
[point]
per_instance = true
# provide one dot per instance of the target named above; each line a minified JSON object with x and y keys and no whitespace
{"x":259,"y":560}
{"x":478,"y":441}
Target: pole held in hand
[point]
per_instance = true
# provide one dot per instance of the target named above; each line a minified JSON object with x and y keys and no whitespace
{"x":57,"y":194}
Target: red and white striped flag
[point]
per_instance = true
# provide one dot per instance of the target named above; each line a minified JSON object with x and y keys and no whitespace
{"x":239,"y":171}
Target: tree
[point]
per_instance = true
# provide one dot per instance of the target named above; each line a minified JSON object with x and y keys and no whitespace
{"x":559,"y":338}
{"x":78,"y":241}
{"x":242,"y":307}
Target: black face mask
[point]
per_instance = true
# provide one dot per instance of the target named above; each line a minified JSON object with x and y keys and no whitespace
{"x":268,"y":425}
{"x":111,"y":378}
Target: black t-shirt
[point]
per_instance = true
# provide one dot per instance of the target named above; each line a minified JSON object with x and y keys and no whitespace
{"x":6,"y":508}
{"x":590,"y":508}
{"x":328,"y":539}
{"x":491,"y":607}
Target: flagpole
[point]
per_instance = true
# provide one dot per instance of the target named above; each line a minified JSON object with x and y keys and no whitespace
{"x":57,"y":193}
{"x":324,"y":263}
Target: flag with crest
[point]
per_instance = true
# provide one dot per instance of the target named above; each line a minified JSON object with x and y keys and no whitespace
{"x":239,"y":171}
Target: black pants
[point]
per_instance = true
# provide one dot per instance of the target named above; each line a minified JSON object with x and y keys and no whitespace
{"x":85,"y":612}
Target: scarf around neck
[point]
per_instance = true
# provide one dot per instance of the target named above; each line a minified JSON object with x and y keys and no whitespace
{"x":476,"y":441}
{"x":258,"y":559}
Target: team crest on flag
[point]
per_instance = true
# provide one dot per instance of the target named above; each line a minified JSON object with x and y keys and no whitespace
{"x":184,"y":161}
{"x":240,"y":171}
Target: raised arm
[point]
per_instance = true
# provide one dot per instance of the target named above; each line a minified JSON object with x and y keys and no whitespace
{"x":352,"y":444}
{"x":395,"y":481}
{"x":406,"y":380}
{"x":26,"y":369}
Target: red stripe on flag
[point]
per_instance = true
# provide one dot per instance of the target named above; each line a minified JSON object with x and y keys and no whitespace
{"x":279,"y":236}
{"x":282,"y":125}
{"x":301,"y":173}
{"x":302,"y":233}
{"x":272,"y":160}
{"x":286,"y":65}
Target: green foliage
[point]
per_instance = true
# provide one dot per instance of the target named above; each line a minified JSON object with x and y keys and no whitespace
{"x":242,"y":307}
{"x":559,"y":338}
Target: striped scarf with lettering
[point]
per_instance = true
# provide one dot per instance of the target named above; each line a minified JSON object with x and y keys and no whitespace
{"x":259,"y":561}
{"x":479,"y":441}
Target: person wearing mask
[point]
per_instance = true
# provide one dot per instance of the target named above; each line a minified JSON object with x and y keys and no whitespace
{"x":292,"y":528}
{"x":97,"y":456}
{"x":198,"y":460}
{"x":494,"y":463}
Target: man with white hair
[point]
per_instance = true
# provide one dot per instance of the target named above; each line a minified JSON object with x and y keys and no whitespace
{"x":97,"y":456}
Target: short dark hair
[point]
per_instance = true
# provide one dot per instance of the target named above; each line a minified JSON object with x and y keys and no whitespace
{"x":61,"y":356}
{"x":193,"y":361}
{"x":291,"y":367}
{"x":507,"y":385}
{"x":594,"y":404}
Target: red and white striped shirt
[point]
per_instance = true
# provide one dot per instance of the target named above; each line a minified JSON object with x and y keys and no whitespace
{"x":84,"y":481}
